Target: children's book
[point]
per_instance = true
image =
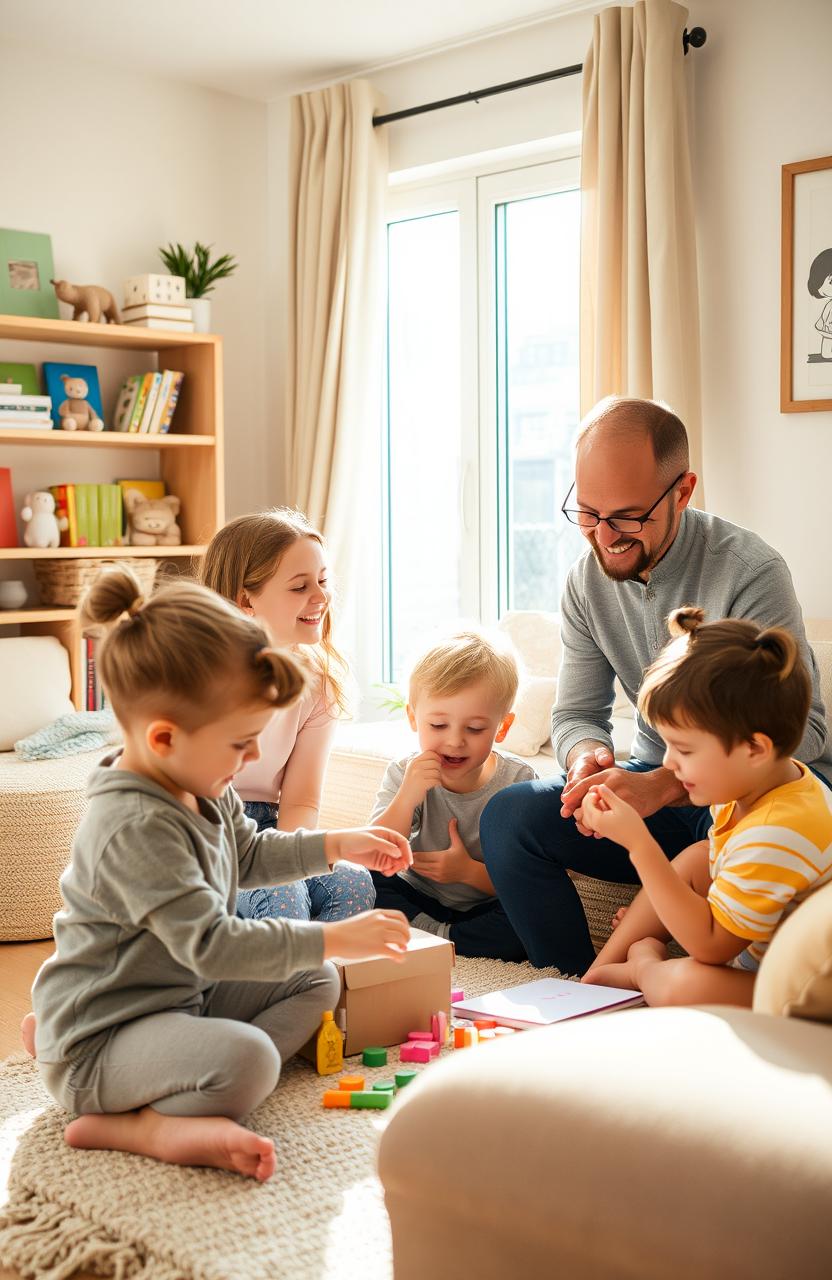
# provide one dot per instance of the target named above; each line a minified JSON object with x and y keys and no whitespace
{"x":86,"y":511}
{"x":8,"y":523}
{"x":167,"y":415}
{"x":22,"y":376}
{"x":109,"y":515}
{"x":150,"y":401}
{"x":52,"y":375}
{"x":141,"y":400}
{"x":126,"y":401}
{"x":168,"y":377}
{"x":537,"y":1004}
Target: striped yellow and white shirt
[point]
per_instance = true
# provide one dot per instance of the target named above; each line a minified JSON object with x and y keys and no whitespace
{"x":763,"y":865}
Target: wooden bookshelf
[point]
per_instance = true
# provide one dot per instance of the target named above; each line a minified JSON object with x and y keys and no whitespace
{"x":190,"y":459}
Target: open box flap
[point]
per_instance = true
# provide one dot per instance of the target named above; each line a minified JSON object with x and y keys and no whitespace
{"x":425,"y":954}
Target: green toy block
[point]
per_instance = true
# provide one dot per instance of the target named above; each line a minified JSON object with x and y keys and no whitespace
{"x":384,"y":1086}
{"x":373,"y":1100}
{"x":405,"y":1077}
{"x":374,"y":1057}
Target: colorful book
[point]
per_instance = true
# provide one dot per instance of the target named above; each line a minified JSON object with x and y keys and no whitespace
{"x":155,"y":311}
{"x":22,"y":376}
{"x":71,"y":515}
{"x":150,"y":402}
{"x":24,"y":404}
{"x":86,"y":512}
{"x":8,"y":523}
{"x":126,"y":402}
{"x":141,"y":398}
{"x":173,"y":398}
{"x":109,"y":515}
{"x":160,"y":403}
{"x":61,"y":495}
{"x":25,"y":420}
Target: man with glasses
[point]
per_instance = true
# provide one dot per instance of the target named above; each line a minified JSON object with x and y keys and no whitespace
{"x":649,"y":552}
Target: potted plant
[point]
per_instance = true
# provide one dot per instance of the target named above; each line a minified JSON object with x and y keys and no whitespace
{"x":200,"y":276}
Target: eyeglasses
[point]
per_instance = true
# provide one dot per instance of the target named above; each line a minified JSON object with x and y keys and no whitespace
{"x":618,"y":524}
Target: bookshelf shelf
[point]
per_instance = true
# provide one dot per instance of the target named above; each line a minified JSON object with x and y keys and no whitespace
{"x":190,"y":460}
{"x":102,"y":439}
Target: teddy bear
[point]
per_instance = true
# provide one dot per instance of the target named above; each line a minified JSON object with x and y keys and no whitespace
{"x":76,"y":412}
{"x":91,"y":300}
{"x":43,"y":529}
{"x":152,"y":521}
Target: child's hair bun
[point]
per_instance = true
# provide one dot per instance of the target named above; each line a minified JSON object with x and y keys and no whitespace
{"x":115,"y":592}
{"x":282,"y":676}
{"x":685,"y":620}
{"x":778,"y":648}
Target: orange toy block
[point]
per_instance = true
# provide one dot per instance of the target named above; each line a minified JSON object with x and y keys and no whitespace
{"x":484,"y":1024}
{"x":351,"y":1082}
{"x":465,"y":1037}
{"x":337,"y":1098}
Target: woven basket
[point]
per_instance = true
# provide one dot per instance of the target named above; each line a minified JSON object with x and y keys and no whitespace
{"x":65,"y":581}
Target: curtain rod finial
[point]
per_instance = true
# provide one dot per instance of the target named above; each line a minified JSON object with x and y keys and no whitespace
{"x":695,"y":38}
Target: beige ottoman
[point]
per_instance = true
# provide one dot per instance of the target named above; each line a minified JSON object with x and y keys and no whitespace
{"x":41,"y":804}
{"x":646,"y":1144}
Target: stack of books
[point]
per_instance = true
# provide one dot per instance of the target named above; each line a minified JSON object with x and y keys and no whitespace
{"x":89,"y":515}
{"x":147,"y":401}
{"x":157,"y":302}
{"x":159,"y":315}
{"x":19,"y":410}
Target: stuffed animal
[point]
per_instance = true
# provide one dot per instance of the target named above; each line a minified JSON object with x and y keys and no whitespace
{"x":90,"y":300}
{"x":152,"y":521}
{"x":43,"y":529}
{"x":76,"y":412}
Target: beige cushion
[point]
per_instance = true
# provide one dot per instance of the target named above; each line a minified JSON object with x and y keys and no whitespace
{"x":795,"y":976}
{"x":532,"y":725}
{"x":648,"y":1144}
{"x":34,"y":687}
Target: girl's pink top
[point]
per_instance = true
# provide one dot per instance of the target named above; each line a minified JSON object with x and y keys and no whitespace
{"x":306,"y":726}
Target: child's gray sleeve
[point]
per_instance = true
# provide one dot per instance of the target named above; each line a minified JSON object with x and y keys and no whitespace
{"x":267,"y":858}
{"x":389,"y":789}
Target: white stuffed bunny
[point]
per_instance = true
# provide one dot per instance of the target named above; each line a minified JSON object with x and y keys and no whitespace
{"x":38,"y":514}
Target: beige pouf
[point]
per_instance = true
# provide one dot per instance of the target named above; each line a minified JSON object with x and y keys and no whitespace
{"x":41,"y":804}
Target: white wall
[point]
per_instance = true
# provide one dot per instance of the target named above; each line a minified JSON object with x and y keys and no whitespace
{"x":757,"y":95}
{"x":112,"y":165}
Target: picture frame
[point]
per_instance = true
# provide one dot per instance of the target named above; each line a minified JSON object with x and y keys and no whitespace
{"x":54,"y":370}
{"x":26,"y":272}
{"x":806,"y":287}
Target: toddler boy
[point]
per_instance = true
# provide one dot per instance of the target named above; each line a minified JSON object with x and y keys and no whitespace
{"x":460,"y":697}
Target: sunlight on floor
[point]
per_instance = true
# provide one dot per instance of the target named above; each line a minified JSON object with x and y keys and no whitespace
{"x":361,"y":1230}
{"x":11,"y":1131}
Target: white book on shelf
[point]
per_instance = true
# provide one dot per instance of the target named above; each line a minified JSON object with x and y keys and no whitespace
{"x":156,"y":311}
{"x":177,"y":326}
{"x":161,"y":402}
{"x":24,"y":420}
{"x":540,"y":1003}
{"x":150,"y":403}
{"x":29,"y":404}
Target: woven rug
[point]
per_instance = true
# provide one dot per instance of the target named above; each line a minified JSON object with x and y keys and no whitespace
{"x":131,"y":1218}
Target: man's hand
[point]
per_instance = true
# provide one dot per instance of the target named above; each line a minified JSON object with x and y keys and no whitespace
{"x":422,"y":773}
{"x":606,"y":815}
{"x":645,"y":792}
{"x":446,"y":866}
{"x":584,"y":767}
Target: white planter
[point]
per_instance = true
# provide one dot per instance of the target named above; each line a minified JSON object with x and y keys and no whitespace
{"x":201,"y":313}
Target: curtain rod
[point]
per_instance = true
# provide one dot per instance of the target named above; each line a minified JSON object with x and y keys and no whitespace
{"x":691,"y":39}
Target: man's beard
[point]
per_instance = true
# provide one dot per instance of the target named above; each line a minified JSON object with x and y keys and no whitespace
{"x":647,"y":559}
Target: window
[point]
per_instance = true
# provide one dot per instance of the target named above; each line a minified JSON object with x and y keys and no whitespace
{"x":482,"y":400}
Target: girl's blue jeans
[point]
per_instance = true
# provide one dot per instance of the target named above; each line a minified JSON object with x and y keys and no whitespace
{"x":346,"y":891}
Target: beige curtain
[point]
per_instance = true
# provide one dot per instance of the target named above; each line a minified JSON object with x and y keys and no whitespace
{"x":338,"y":175}
{"x":639,"y":295}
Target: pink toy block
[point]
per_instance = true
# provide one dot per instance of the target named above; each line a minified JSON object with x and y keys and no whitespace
{"x":420,"y":1035}
{"x":439,"y":1026}
{"x":503,"y":1031}
{"x":456,"y":996}
{"x":418,"y":1051}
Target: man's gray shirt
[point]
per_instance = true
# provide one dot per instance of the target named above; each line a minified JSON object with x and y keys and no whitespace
{"x":429,"y":827}
{"x":148,"y":922}
{"x":611,"y":629}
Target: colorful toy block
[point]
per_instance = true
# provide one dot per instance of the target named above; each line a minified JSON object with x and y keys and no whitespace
{"x":336,"y":1098}
{"x":456,"y":996}
{"x":418,"y":1051}
{"x":485,"y":1034}
{"x":465,"y":1037}
{"x":374,"y":1057}
{"x":485,"y":1024}
{"x":351,"y":1082}
{"x":420,"y":1035}
{"x":405,"y":1077}
{"x":384,"y":1086}
{"x":439,"y":1026}
{"x":503,"y":1031}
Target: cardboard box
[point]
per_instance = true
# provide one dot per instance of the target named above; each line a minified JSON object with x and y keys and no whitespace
{"x":139,"y":290}
{"x":382,"y":1000}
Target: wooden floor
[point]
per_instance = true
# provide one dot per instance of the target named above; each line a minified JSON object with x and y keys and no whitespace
{"x":19,"y":962}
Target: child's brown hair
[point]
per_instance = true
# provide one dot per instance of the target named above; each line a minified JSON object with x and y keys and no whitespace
{"x":462,"y":660}
{"x":185,"y":651}
{"x":731,"y":678}
{"x":243,"y":556}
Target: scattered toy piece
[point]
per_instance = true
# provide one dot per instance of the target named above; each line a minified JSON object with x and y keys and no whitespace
{"x":375,"y":1100}
{"x":329,"y":1047}
{"x":456,"y":996}
{"x":374,"y":1057}
{"x":485,"y":1034}
{"x":336,"y":1098}
{"x":384,"y":1086}
{"x":351,"y":1082}
{"x":485,"y":1024}
{"x":405,"y":1077}
{"x":503,"y":1031}
{"x":439,"y":1027}
{"x":421,"y":1035}
{"x":418,"y":1051}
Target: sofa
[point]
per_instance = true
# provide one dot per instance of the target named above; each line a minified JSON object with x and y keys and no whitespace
{"x":636,"y":1145}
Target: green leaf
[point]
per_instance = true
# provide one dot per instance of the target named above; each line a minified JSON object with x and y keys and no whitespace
{"x":199,"y":272}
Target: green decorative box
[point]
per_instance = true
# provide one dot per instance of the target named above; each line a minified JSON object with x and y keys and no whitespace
{"x":26,"y":271}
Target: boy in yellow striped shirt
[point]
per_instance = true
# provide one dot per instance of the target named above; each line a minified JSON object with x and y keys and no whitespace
{"x":730,"y":701}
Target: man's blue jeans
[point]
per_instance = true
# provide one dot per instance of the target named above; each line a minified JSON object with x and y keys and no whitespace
{"x":528,"y":848}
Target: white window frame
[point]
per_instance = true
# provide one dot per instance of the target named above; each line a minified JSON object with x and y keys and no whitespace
{"x":475,"y":192}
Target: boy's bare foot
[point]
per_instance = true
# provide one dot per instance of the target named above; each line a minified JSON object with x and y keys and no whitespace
{"x":214,"y":1141}
{"x":27,"y":1034}
{"x":611,"y":975}
{"x":648,"y":951}
{"x":618,"y":917}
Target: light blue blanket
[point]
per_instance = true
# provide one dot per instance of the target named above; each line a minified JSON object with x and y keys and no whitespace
{"x":69,"y":735}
